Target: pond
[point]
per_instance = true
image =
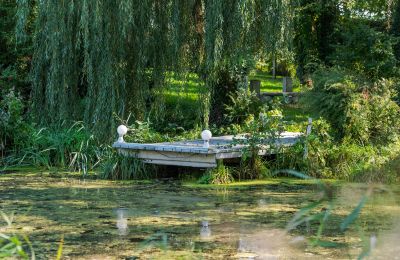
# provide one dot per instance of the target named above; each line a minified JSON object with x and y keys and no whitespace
{"x":169,"y":219}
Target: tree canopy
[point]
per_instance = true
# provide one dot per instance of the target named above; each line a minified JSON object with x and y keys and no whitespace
{"x":95,"y":60}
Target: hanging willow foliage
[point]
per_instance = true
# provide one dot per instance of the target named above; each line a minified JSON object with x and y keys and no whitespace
{"x":95,"y":60}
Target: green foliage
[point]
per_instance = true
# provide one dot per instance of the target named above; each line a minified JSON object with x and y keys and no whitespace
{"x":373,"y":10}
{"x":395,"y":30}
{"x":327,"y":158}
{"x":226,"y":81}
{"x":141,"y":132}
{"x":320,"y":213}
{"x":384,"y":166}
{"x":14,"y":59}
{"x":73,"y":147}
{"x":243,"y":104}
{"x":361,"y":111}
{"x":314,"y":25}
{"x":11,"y":245}
{"x":366,"y":51}
{"x":219,"y":175}
{"x":353,"y":34}
{"x":182,"y":103}
{"x":13,"y":127}
{"x":112,"y":58}
{"x":261,"y":135}
{"x":252,"y":167}
{"x":116,"y":166}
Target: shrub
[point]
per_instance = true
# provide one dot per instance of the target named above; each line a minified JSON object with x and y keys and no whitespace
{"x":62,"y":146}
{"x":243,"y":105}
{"x":384,"y":166}
{"x":116,"y":166}
{"x":219,"y":175}
{"x":327,"y":158}
{"x":361,"y":111}
{"x":141,"y":132}
{"x":253,"y":167}
{"x":366,"y":51}
{"x":261,"y":134}
{"x":14,"y":130}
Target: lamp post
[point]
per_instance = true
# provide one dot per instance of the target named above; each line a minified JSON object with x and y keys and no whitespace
{"x":122,"y":130}
{"x":206,"y":136}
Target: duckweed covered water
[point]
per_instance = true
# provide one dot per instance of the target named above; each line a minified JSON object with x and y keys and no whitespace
{"x":173,"y":220}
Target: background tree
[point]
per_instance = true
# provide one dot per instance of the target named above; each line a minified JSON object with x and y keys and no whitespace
{"x":315,"y":24}
{"x":14,"y":62}
{"x":97,"y":61}
{"x":395,"y":29}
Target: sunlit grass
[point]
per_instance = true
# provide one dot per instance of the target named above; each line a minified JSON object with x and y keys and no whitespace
{"x":268,"y":82}
{"x":183,"y":93}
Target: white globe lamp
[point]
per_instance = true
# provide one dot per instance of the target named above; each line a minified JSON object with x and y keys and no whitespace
{"x":121,"y":130}
{"x":206,"y":136}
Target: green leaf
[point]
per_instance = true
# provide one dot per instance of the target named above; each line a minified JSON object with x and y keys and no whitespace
{"x":354,"y":214}
{"x":60,"y":248}
{"x":328,"y":244}
{"x":294,"y":173}
{"x":299,"y":217}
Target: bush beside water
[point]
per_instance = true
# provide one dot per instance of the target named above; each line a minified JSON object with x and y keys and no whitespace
{"x":362,"y":145}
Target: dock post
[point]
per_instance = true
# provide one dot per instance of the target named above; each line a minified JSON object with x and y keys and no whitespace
{"x":308,"y":132}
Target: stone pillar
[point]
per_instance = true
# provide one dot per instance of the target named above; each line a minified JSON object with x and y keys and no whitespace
{"x":255,"y":86}
{"x":287,"y":84}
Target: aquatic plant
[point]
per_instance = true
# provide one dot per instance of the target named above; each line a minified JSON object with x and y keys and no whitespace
{"x":65,"y":146}
{"x":219,"y":175}
{"x":321,"y":211}
{"x":11,"y":245}
{"x":117,"y":166}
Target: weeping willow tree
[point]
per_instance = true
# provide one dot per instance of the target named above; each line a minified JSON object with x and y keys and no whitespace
{"x":98,"y":60}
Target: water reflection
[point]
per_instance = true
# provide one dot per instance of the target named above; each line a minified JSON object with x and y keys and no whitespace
{"x":241,"y":247}
{"x":122,"y":222}
{"x":386,"y":244}
{"x":262,"y":203}
{"x":205,"y":230}
{"x":243,"y":252}
{"x":191,"y":223}
{"x":268,"y":243}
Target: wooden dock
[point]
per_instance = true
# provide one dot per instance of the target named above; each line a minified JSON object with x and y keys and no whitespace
{"x":194,"y":153}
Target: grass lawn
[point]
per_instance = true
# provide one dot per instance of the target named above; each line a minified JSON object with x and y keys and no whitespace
{"x":183,"y":93}
{"x":268,"y":82}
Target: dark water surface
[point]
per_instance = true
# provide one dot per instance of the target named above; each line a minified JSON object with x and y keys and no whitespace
{"x":170,"y":220}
